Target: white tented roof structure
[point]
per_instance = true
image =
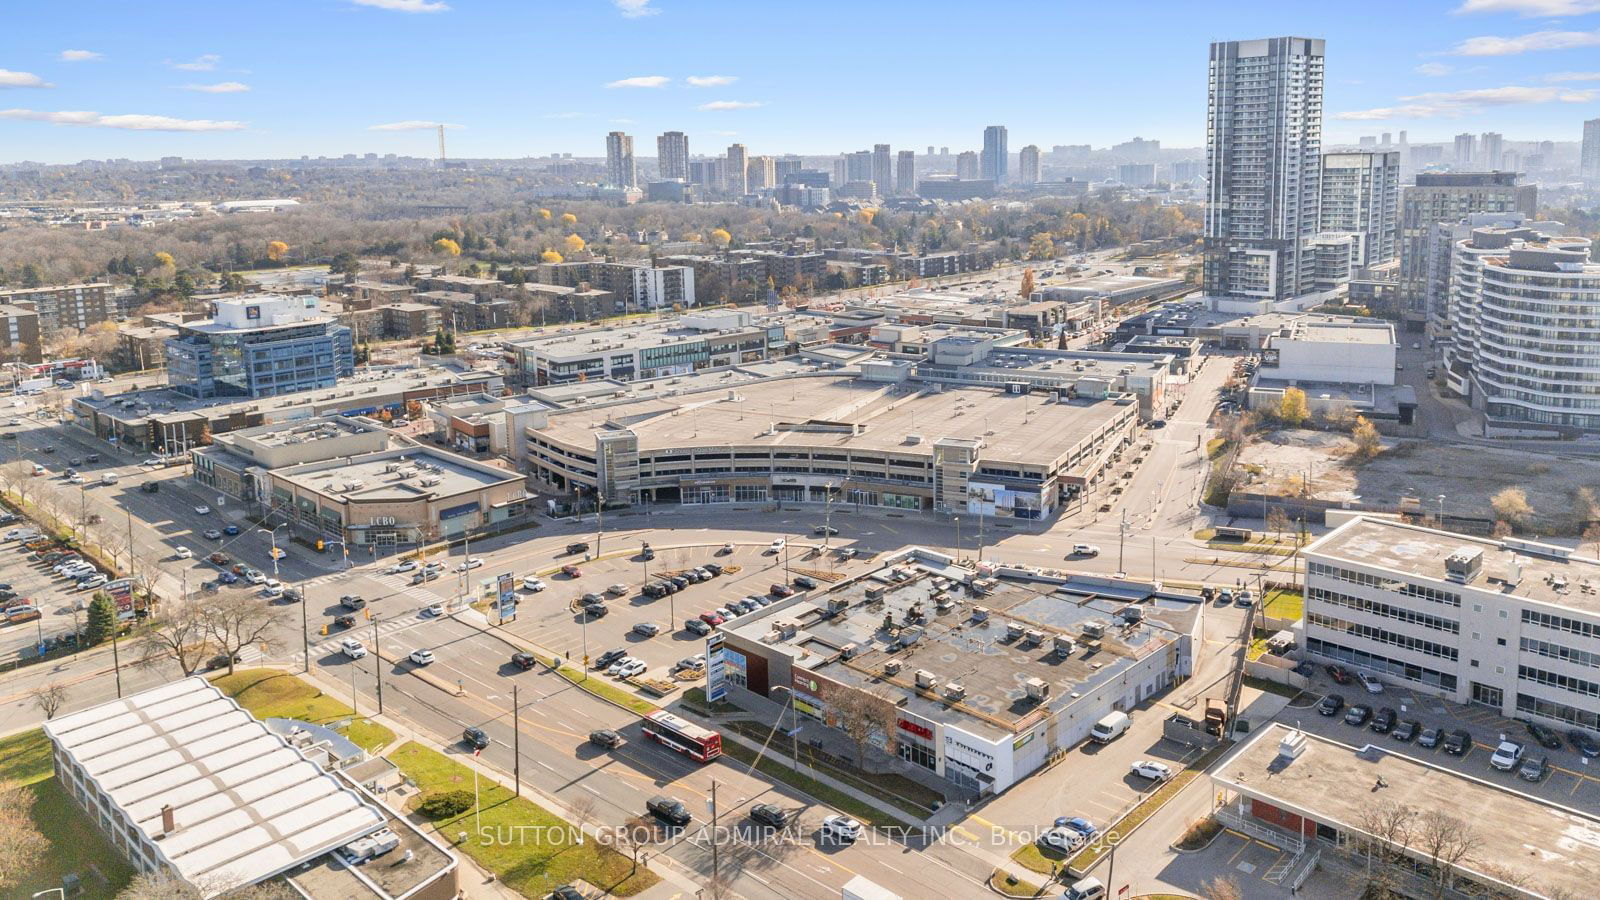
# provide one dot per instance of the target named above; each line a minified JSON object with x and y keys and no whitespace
{"x":245,"y":804}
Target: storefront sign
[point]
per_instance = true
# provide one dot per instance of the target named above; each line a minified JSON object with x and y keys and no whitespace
{"x":716,"y":669}
{"x":921,"y":731}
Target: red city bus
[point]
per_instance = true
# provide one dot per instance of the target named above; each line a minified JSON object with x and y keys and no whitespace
{"x":700,"y":744}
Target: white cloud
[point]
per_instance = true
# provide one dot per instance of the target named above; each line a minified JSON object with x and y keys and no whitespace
{"x":1531,"y":9}
{"x":565,"y":115}
{"x":126,"y":122}
{"x":1490,"y":45}
{"x":621,"y":121}
{"x":199,"y":64}
{"x":711,"y":80}
{"x":221,"y":87}
{"x":405,"y":6}
{"x":10,"y":79}
{"x":1435,"y":70}
{"x":724,"y":105}
{"x":1450,"y":104}
{"x":1573,"y":76}
{"x":411,"y":125}
{"x":78,"y":55}
{"x":635,"y":9}
{"x":640,"y":81}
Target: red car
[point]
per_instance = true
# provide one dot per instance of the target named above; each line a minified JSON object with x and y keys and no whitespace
{"x":1338,"y":674}
{"x":711,"y":618}
{"x":571,"y":571}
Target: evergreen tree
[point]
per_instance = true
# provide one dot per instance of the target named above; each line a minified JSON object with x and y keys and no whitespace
{"x":102,"y":620}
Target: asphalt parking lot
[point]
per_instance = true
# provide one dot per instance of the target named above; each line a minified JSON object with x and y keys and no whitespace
{"x":1572,"y":781}
{"x":35,"y":584}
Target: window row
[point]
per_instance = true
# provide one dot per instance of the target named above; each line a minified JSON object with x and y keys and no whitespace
{"x":1398,"y":613}
{"x":1416,"y":645}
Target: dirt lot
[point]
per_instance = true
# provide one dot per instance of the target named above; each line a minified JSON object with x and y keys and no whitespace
{"x":1467,"y":475}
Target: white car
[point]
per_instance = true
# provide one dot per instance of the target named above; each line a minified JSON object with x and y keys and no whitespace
{"x":617,"y":666}
{"x":183,"y":553}
{"x":155,"y":461}
{"x":472,"y":563}
{"x":1506,"y":756}
{"x":76,"y":571}
{"x":400,"y":568}
{"x":92,"y":581}
{"x":213,"y":534}
{"x":272,"y":591}
{"x":422,"y":657}
{"x":74,"y":478}
{"x":434,"y":610}
{"x":1373,"y":685}
{"x":532,"y":583}
{"x":1149,"y":768}
{"x":1085,"y":550}
{"x":840,"y":828}
{"x":352,"y":648}
{"x":255,"y":578}
{"x":273,"y":584}
{"x":21,"y":534}
{"x":637,"y":667}
{"x":1064,"y":839}
{"x":777,"y":545}
{"x":202,"y":510}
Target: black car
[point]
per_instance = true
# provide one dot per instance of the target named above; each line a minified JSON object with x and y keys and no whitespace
{"x":1458,"y":742}
{"x":825,"y":530}
{"x":606,"y":738}
{"x":1534,"y":768}
{"x":292,"y":595}
{"x":150,"y":487}
{"x":578,"y":547}
{"x":1384,"y":720}
{"x":566,"y":892}
{"x":523,"y":661}
{"x":596,"y":610}
{"x":679,"y":582}
{"x":768,"y":814}
{"x":93,"y":457}
{"x":75,"y":462}
{"x":1584,"y":743}
{"x":803,"y":581}
{"x":713,"y":568}
{"x":668,"y":810}
{"x":345,"y":621}
{"x":1430,"y":737}
{"x":1330,"y":705}
{"x":1406,"y":730}
{"x":695,"y":626}
{"x":475,"y":738}
{"x":652,"y":590}
{"x":1546,"y":737}
{"x":610,"y":656}
{"x":1357,"y":715}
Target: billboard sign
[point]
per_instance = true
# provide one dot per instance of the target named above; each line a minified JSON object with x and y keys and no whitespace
{"x":716,"y":669}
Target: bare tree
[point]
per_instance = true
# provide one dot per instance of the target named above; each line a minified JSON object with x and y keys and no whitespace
{"x":1221,"y":888}
{"x":1511,"y":505}
{"x":1385,"y":831}
{"x":1277,"y":521}
{"x":632,"y":837}
{"x":178,"y":632}
{"x":162,"y":885}
{"x":49,"y":698}
{"x":21,"y":844}
{"x":582,"y":810}
{"x":864,"y":717}
{"x":1445,"y":840}
{"x":239,"y":620}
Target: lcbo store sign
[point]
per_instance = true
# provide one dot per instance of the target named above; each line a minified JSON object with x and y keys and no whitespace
{"x":921,"y":731}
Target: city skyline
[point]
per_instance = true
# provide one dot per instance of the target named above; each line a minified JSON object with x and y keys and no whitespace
{"x":129,"y":87}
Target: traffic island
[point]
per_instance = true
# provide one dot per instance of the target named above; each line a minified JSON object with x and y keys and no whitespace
{"x":270,"y":693}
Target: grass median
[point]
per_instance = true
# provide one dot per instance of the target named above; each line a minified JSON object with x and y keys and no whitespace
{"x":533,"y":849}
{"x":828,"y":794}
{"x":1125,"y":826}
{"x":271,"y":693}
{"x":70,"y":842}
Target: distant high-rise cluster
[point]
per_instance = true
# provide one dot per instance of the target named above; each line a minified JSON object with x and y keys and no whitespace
{"x":995,"y":158}
{"x":620,"y":169}
{"x":1028,"y":165}
{"x":672,"y":151}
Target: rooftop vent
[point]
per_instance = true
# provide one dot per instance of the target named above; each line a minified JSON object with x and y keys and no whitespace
{"x":1034,"y":636}
{"x":892,"y":667}
{"x":1037,"y":688}
{"x":1465,"y":564}
{"x":980,"y":614}
{"x":927,"y":680}
{"x":955,"y":691}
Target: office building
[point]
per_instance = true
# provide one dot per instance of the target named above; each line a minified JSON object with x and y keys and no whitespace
{"x":620,"y":169}
{"x":943,"y":187}
{"x":996,"y":158}
{"x":1264,"y":158}
{"x":19,"y":335}
{"x":1523,"y":337}
{"x":64,"y":308}
{"x":1137,"y":175}
{"x":1187,"y":170}
{"x":1465,"y":149}
{"x":672,"y":156}
{"x":1589,"y":159}
{"x":883,"y":169}
{"x":1446,"y":197}
{"x":259,"y":345}
{"x":1028,"y":165}
{"x":1505,"y":624}
{"x":967,"y":166}
{"x":905,"y":175}
{"x":184,"y":782}
{"x":736,"y":172}
{"x":678,"y":346}
{"x":1361,"y":197}
{"x":1491,"y":147}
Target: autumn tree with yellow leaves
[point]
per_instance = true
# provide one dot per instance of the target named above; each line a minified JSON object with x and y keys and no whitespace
{"x":1026,"y":290}
{"x":573,"y":243}
{"x":447,"y":247}
{"x":276,"y":250}
{"x":550,"y":256}
{"x":721,"y":237}
{"x":569,"y":219}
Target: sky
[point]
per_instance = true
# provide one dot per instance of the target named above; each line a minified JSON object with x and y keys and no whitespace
{"x":214,"y":79}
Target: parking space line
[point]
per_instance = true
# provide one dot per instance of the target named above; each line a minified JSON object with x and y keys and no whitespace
{"x":1242,"y":847}
{"x":1268,"y":869}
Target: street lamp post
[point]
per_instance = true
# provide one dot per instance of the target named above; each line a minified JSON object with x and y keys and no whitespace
{"x":827,"y":517}
{"x":377,"y":664}
{"x":1441,"y":511}
{"x":958,"y":538}
{"x":1122,"y":536}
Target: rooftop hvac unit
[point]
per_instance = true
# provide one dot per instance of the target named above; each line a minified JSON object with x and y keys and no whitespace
{"x":909,"y":636}
{"x":1064,"y":646}
{"x":1034,"y":636}
{"x":980,"y":614}
{"x":1465,"y":564}
{"x":1094,"y":630}
{"x":892,"y":667}
{"x":926,"y":680}
{"x":955,"y":691}
{"x":373,"y":845}
{"x":1013,"y":630}
{"x":1132,"y":614}
{"x":1037,"y":688}
{"x":849,"y":651}
{"x":913,"y":438}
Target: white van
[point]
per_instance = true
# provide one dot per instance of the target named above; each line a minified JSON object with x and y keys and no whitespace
{"x":1085,"y":889}
{"x":110,"y":478}
{"x":1110,"y":728}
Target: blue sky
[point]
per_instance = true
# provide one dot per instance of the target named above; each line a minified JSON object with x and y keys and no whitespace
{"x":228,"y":79}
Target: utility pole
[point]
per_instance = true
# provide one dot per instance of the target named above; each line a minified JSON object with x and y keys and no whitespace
{"x":980,"y":533}
{"x":715,"y":860}
{"x":1122,"y":536}
{"x":827,"y":518}
{"x":516,"y":740}
{"x":377,"y":662}
{"x":958,"y":538}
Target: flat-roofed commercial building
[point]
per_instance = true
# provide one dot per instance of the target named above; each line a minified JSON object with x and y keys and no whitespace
{"x":235,"y":463}
{"x":674,"y":347}
{"x":259,"y":345}
{"x":983,"y":677}
{"x":1311,"y":796}
{"x":1341,"y":351}
{"x":183,"y":781}
{"x":879,"y":440}
{"x":401,"y":496}
{"x":1512,"y":625}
